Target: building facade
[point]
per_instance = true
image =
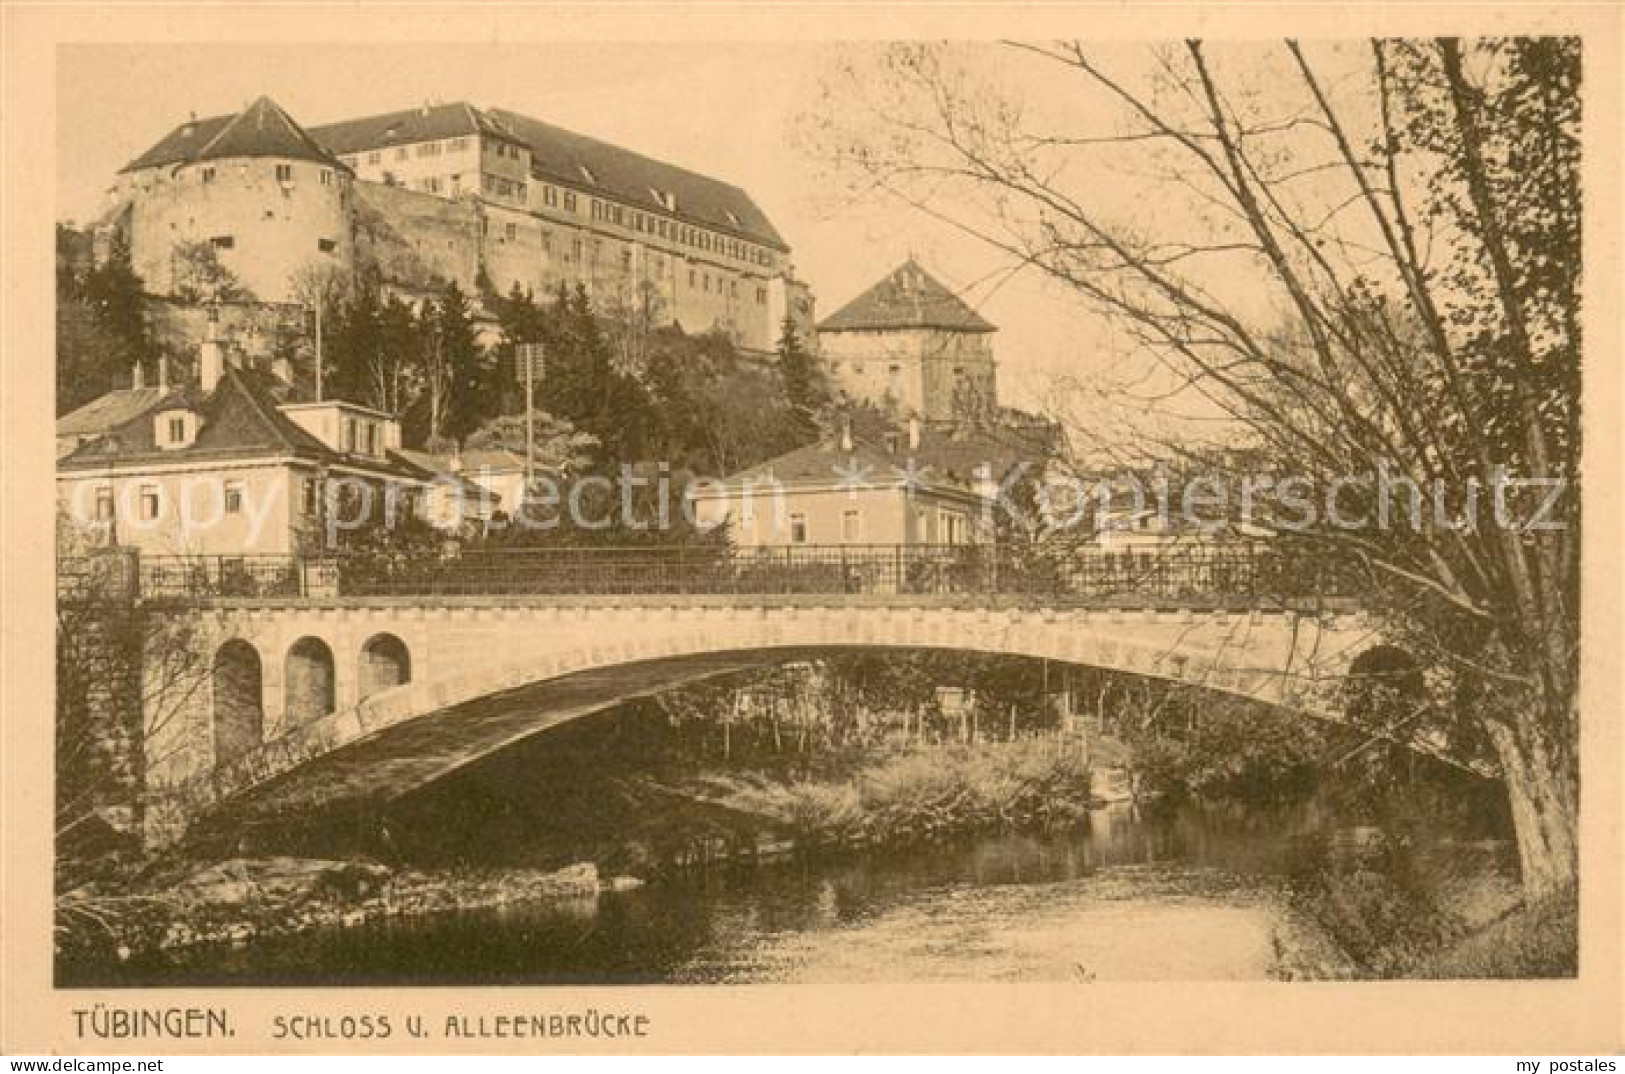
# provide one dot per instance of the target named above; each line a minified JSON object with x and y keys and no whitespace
{"x":226,"y":468}
{"x":847,"y":492}
{"x":451,"y":192}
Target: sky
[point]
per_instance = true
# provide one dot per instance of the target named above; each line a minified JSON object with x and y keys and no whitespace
{"x":727,"y":110}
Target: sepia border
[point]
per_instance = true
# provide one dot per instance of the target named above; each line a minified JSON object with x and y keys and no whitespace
{"x":1544,"y":1017}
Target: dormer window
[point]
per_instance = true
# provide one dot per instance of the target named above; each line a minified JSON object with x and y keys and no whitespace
{"x":174,"y":429}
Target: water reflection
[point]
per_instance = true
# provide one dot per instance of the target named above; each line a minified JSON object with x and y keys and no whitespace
{"x":1190,"y":896}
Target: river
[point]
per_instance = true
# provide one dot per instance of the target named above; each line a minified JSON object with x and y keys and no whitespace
{"x":1196,"y":895}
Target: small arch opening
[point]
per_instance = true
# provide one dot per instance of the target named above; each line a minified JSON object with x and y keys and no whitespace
{"x":308,"y":680}
{"x":385,"y":664}
{"x":239,"y":714}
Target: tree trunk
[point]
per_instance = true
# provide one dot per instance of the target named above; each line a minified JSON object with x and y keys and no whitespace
{"x":1544,"y":795}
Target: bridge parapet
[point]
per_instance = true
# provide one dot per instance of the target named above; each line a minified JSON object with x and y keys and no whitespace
{"x":1226,"y":575}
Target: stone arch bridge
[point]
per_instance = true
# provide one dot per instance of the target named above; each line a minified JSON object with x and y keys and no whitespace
{"x":324,"y":692}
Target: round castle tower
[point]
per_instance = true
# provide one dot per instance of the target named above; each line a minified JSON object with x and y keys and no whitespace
{"x":251,"y":191}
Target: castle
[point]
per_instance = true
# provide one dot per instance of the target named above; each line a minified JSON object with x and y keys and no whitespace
{"x":491,"y":199}
{"x":451,"y":192}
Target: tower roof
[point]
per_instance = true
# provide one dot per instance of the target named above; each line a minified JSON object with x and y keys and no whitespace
{"x":909,"y":297}
{"x":263,"y":129}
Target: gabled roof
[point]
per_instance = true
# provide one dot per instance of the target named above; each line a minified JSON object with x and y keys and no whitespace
{"x":107,"y":412}
{"x":425,"y":124}
{"x":637,"y":180}
{"x":240,"y":419}
{"x":263,"y":129}
{"x":909,"y":297}
{"x":946,"y":458}
{"x":180,"y":145}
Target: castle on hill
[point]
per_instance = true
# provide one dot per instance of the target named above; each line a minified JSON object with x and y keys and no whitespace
{"x":492,"y":199}
{"x":452,"y":193}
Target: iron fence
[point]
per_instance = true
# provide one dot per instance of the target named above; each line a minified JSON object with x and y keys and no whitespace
{"x":1215,"y":573}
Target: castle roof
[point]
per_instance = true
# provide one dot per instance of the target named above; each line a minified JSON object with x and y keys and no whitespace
{"x":263,"y":129}
{"x":585,"y":163}
{"x":428,"y":123}
{"x":909,"y":297}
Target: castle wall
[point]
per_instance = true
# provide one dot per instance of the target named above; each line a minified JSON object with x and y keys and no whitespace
{"x":417,"y":240}
{"x":262,"y":229}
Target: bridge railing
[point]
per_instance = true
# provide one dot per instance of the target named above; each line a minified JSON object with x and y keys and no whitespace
{"x":1250,"y":573}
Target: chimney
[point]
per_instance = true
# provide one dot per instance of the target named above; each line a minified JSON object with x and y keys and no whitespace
{"x":138,"y":377}
{"x":914,"y":433}
{"x":846,"y":434}
{"x":211,"y":365}
{"x":163,"y":372}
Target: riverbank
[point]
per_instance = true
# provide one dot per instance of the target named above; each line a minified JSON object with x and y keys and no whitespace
{"x":908,"y":796}
{"x":235,"y":902}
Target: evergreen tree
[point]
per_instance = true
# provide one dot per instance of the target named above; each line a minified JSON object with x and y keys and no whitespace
{"x":805,"y":390}
{"x":456,"y":375}
{"x":583,"y":386}
{"x":101,"y":324}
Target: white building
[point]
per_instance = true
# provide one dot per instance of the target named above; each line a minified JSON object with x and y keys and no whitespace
{"x":226,"y":467}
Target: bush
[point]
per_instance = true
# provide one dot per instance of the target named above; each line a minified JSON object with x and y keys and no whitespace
{"x":922,"y":795}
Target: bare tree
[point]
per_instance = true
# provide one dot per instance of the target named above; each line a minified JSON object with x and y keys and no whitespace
{"x":1367,"y":262}
{"x":125,"y":677}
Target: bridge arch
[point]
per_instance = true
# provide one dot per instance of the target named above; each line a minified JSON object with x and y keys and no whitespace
{"x":485,"y":677}
{"x":238,"y":716}
{"x":386,"y":662}
{"x":309,"y":684}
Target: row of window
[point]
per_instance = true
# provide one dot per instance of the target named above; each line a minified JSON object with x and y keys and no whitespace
{"x":949,"y":527}
{"x":150,"y":500}
{"x":405,"y":152}
{"x":698,"y":238}
{"x":502,"y":187}
{"x":229,"y":242}
{"x":551,"y":197}
{"x":284,"y":174}
{"x":554,"y":197}
{"x":696,"y":278}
